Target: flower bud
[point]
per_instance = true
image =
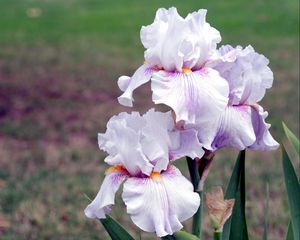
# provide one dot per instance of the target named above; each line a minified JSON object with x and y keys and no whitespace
{"x":219,"y":209}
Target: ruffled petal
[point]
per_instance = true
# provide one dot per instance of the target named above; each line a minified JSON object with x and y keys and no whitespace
{"x":174,"y":42}
{"x":128,"y":85}
{"x":105,"y":198}
{"x":264,"y":140}
{"x":156,"y":138}
{"x":244,"y":127}
{"x":156,"y":38}
{"x":188,"y":145}
{"x":247,"y":73}
{"x":160,"y":203}
{"x":122,"y":141}
{"x":198,"y":97}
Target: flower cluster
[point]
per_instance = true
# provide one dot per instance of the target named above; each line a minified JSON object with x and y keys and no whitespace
{"x":213,"y":95}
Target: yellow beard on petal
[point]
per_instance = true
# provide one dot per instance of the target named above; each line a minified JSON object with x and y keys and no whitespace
{"x":155,"y":176}
{"x":186,"y":70}
{"x":115,"y":168}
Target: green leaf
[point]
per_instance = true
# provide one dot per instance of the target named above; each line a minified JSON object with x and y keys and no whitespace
{"x":293,"y":190}
{"x":182,"y":235}
{"x":115,"y":230}
{"x":236,"y":228}
{"x":294,"y":141}
{"x":289,"y":234}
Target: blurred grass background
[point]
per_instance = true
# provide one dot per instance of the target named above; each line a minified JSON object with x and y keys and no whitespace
{"x":59,"y":62}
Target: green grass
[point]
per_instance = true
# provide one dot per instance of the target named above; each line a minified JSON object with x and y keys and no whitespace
{"x":58,"y":88}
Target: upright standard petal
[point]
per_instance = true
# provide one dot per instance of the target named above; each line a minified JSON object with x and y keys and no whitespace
{"x":172,"y":201}
{"x":105,"y":198}
{"x":244,"y":127}
{"x":198,"y":97}
{"x":174,"y":42}
{"x":122,"y":142}
{"x":128,"y":85}
{"x":247,"y":73}
{"x":157,"y":138}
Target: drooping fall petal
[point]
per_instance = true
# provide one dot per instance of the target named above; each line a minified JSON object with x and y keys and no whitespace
{"x":197,"y":98}
{"x":160,"y":203}
{"x":244,"y":127}
{"x":105,"y":198}
{"x":129,"y":84}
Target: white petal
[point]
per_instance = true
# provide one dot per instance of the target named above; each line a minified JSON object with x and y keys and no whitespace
{"x":198,"y":98}
{"x":245,"y":127}
{"x":105,"y":198}
{"x":173,"y":42}
{"x":141,"y":76}
{"x":122,"y":141}
{"x":156,"y":139}
{"x":246,"y":72}
{"x":264,"y":140}
{"x":236,"y":129}
{"x":123,"y":83}
{"x":189,"y":145}
{"x":161,"y":203}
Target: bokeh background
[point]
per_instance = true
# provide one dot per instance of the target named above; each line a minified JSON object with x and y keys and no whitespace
{"x":59,"y":63}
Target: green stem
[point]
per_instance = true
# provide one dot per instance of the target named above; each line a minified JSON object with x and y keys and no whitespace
{"x":195,"y":178}
{"x":217,"y":235}
{"x":169,"y":237}
{"x":197,"y":218}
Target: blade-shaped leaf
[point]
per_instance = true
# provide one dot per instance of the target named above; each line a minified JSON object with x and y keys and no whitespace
{"x":235,"y":177}
{"x":236,"y":228}
{"x":115,"y":230}
{"x":182,"y":235}
{"x":293,"y":190}
{"x":294,"y":141}
{"x":289,"y":234}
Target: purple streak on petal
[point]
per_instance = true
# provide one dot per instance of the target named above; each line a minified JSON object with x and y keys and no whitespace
{"x":244,"y":127}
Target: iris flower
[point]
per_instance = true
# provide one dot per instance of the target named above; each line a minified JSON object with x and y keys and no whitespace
{"x":157,"y":196}
{"x":213,"y":91}
{"x":243,"y":125}
{"x":177,"y":62}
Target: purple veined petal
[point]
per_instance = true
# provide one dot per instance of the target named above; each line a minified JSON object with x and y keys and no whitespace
{"x":191,"y":95}
{"x":264,"y":140}
{"x":198,"y":97}
{"x":160,"y":203}
{"x":244,"y":127}
{"x":105,"y":198}
{"x":128,"y":85}
{"x":188,"y":145}
{"x":236,"y":128}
